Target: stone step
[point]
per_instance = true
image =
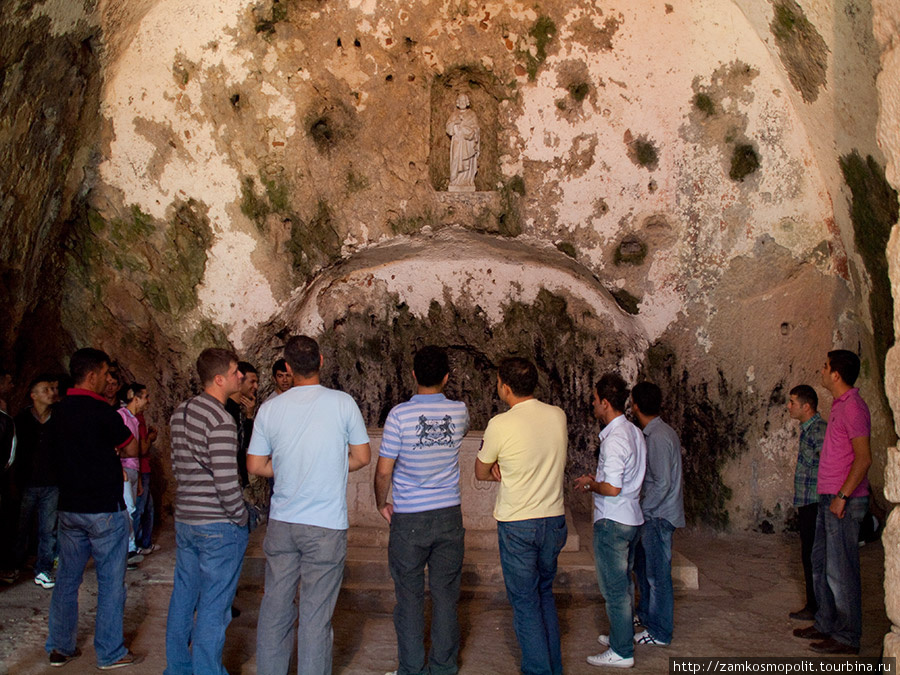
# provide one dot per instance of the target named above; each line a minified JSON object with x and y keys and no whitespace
{"x":366,"y":569}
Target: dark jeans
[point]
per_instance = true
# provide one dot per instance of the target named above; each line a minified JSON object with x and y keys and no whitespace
{"x":143,"y":515}
{"x":806,"y":521}
{"x":528,"y":554}
{"x":436,"y":539}
{"x":40,"y":501}
{"x":835,"y":560}
{"x":653,"y":569}
{"x":103,"y":537}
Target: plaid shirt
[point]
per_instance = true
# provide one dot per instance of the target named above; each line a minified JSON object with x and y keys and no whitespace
{"x":812,"y":436}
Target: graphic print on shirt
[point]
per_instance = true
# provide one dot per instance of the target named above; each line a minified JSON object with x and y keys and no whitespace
{"x":431,"y":432}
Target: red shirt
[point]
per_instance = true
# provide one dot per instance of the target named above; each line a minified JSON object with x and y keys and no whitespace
{"x":849,"y":419}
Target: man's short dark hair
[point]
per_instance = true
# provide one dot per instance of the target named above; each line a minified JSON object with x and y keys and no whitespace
{"x":280,"y":366}
{"x":430,"y":365}
{"x":846,"y":364}
{"x":612,"y":387}
{"x":49,"y":378}
{"x":214,"y":361}
{"x":86,"y":361}
{"x":129,"y":391}
{"x":246,"y":367}
{"x":647,"y":397}
{"x":518,"y":374}
{"x":806,"y":394}
{"x":302,"y":353}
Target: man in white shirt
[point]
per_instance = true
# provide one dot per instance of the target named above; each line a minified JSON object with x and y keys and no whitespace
{"x":617,"y":516}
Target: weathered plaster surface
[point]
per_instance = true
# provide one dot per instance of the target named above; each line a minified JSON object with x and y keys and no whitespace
{"x":304,"y":137}
{"x":886,"y":29}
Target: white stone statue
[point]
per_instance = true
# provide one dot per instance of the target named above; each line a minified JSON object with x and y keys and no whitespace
{"x":465,"y":146}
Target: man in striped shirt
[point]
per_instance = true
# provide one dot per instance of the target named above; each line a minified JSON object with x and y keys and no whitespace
{"x":419,"y":455}
{"x":210,"y":520}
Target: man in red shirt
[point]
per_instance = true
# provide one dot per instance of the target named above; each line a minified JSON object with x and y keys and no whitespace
{"x":843,"y":500}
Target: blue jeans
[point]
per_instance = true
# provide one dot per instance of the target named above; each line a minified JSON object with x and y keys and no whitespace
{"x":613,"y":544}
{"x":81,"y":536}
{"x":835,"y":562}
{"x":528,"y":553}
{"x":436,"y":539}
{"x":208,"y":561}
{"x":313,"y":558}
{"x":653,"y":569}
{"x":41,"y":501}
{"x":143,"y":515}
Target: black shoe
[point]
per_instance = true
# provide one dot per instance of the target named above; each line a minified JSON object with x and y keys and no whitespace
{"x":58,"y":659}
{"x":805,"y":614}
{"x":832,"y":646}
{"x":810,"y":633}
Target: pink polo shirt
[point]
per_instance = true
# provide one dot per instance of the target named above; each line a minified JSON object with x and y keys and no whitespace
{"x":849,"y":419}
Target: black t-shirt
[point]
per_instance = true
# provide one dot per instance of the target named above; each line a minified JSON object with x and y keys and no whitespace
{"x":84,"y":434}
{"x":34,"y":466}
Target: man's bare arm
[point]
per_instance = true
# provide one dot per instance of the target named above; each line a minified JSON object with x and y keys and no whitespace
{"x":485,"y":471}
{"x":260,"y":465}
{"x":862,"y":460}
{"x":384,"y":471}
{"x":360,"y":456}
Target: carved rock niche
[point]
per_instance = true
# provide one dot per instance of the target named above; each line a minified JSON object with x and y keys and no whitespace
{"x":479,"y":85}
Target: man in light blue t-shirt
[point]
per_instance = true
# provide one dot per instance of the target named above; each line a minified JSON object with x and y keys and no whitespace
{"x":420,"y":456}
{"x":307,"y":438}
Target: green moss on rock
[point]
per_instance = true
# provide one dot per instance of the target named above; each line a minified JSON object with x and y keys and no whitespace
{"x":704,"y":103}
{"x":744,"y":161}
{"x":874,"y":212}
{"x":542,"y":33}
{"x":568,"y":248}
{"x":626,"y":301}
{"x":803,"y":51}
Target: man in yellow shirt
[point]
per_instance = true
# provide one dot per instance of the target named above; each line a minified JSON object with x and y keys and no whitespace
{"x":525,"y":450}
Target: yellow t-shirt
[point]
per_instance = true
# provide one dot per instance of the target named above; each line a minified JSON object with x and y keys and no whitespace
{"x":529,"y":442}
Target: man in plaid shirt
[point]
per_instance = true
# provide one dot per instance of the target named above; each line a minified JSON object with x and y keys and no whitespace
{"x":802,"y":407}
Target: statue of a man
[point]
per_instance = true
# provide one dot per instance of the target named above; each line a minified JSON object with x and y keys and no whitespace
{"x":465,"y":146}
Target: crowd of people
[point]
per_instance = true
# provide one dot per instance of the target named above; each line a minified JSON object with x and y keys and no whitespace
{"x":306,"y":438}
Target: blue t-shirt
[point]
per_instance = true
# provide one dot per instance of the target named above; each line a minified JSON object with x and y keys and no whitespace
{"x":306,"y":430}
{"x":423,"y":435}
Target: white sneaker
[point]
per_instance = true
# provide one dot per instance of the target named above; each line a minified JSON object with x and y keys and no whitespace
{"x":644,"y":638}
{"x":611,"y":659}
{"x":44,"y":580}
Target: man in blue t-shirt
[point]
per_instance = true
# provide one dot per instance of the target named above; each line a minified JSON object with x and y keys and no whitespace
{"x":307,"y":438}
{"x":419,"y":456}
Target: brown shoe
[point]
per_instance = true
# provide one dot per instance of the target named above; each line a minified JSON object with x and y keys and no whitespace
{"x":832,"y":646}
{"x":128,"y":660}
{"x":810,"y":633}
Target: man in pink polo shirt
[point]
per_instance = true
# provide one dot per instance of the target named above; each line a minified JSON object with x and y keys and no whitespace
{"x":843,"y":500}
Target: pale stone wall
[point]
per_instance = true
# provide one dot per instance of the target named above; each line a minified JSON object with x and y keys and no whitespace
{"x":263,"y":167}
{"x":887,"y":29}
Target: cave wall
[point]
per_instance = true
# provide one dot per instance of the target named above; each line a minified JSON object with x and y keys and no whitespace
{"x":886,"y":30}
{"x":668,"y":189}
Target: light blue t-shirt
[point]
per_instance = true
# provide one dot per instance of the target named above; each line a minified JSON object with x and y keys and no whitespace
{"x":423,"y":435}
{"x":306,"y":430}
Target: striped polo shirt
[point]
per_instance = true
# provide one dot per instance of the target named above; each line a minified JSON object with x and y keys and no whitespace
{"x":204,"y":460}
{"x":423,"y":436}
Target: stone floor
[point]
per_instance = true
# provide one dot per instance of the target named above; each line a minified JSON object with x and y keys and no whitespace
{"x":748,"y":582}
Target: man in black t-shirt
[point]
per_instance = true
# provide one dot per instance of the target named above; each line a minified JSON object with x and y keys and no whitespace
{"x":85,"y":434}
